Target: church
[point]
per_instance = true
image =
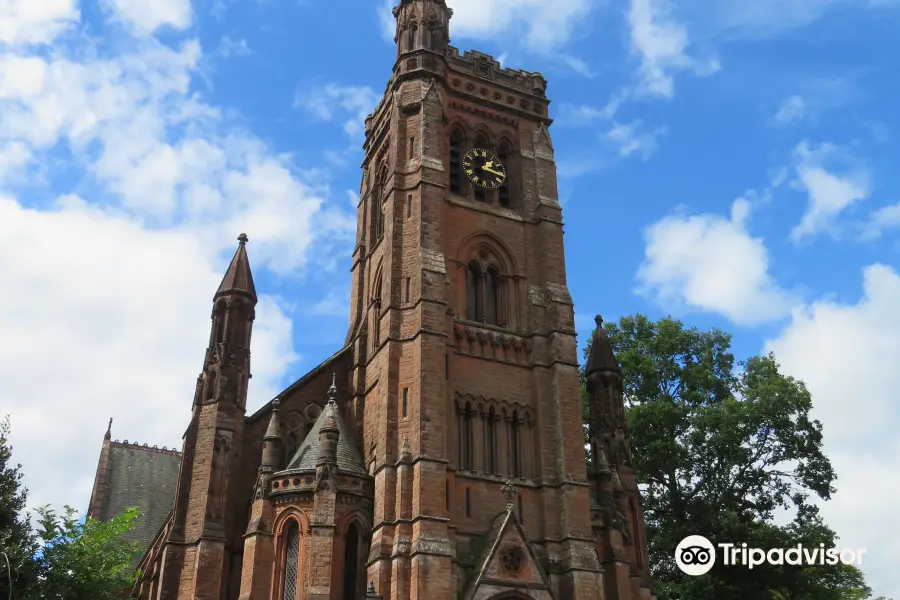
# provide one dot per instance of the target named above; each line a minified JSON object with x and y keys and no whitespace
{"x":439,"y":455}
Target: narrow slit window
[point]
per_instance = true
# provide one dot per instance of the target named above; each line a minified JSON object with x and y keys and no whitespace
{"x":405,"y":401}
{"x":408,"y":205}
{"x":468,"y":502}
{"x":407,"y":289}
{"x":412,"y":148}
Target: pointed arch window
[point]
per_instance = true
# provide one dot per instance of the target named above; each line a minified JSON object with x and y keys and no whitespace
{"x":465,"y":437}
{"x":290,"y":446}
{"x":504,"y":152}
{"x":291,"y":561}
{"x":376,"y":311}
{"x":352,"y":543}
{"x":484,"y":293}
{"x":413,"y":35}
{"x":490,"y":441}
{"x":473,"y":283}
{"x":491,"y":296}
{"x":515,"y":462}
{"x":457,"y":148}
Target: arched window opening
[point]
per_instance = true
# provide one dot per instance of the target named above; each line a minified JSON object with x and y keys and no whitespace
{"x":473,"y":283}
{"x":427,"y":34}
{"x":220,"y":324}
{"x":457,"y":145}
{"x":211,"y":384}
{"x":465,"y":438}
{"x":481,"y":194}
{"x":290,"y":446}
{"x":503,"y":153}
{"x":376,"y":312}
{"x":291,"y":562}
{"x":352,"y":589}
{"x":514,"y":458}
{"x":635,"y":536}
{"x":492,"y":297}
{"x":490,"y":443}
{"x":413,"y":36}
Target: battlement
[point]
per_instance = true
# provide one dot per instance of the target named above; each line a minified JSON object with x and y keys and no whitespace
{"x":487,"y":67}
{"x":144,"y":447}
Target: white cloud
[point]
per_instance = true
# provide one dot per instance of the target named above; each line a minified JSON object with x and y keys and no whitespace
{"x":662,"y":45}
{"x":883,"y":219}
{"x":829,"y":193}
{"x":109,"y":319}
{"x":847,"y":354}
{"x":330,"y":101}
{"x":543,"y":25}
{"x":711,"y":263}
{"x":765,"y":18}
{"x":229,"y":47}
{"x":113,"y":289}
{"x":792,"y":109}
{"x":35,"y":21}
{"x":144,"y":18}
{"x":629,"y":139}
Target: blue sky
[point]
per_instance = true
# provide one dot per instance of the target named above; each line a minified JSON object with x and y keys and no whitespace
{"x":730,"y":163}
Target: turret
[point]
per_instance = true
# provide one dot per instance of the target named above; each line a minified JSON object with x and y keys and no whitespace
{"x":271,"y":457}
{"x":422,"y":25}
{"x":330,"y":432}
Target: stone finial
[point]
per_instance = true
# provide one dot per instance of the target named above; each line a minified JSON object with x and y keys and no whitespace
{"x":617,"y":482}
{"x":243,"y":239}
{"x":332,"y":391}
{"x":275,"y":404}
{"x":598,"y":320}
{"x":108,"y":434}
{"x":510,"y":491}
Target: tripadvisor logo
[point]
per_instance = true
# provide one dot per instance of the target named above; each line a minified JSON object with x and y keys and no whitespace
{"x":695,"y":555}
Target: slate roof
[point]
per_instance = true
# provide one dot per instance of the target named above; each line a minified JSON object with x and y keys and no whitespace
{"x":142,"y":477}
{"x":348,"y":458}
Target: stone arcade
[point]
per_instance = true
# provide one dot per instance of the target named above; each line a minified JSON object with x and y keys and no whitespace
{"x":438,"y":455}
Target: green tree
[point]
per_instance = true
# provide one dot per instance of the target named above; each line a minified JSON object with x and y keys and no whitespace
{"x":719,"y":448}
{"x":85,"y":559}
{"x":17,"y":542}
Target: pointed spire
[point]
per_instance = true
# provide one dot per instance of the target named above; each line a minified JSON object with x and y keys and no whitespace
{"x":238,"y":278}
{"x":601,"y":357}
{"x":108,"y":434}
{"x":271,"y":458}
{"x":274,"y":429}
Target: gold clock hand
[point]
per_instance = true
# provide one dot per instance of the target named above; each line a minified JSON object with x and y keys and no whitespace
{"x":493,"y":172}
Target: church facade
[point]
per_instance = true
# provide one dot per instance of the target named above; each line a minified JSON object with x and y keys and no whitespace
{"x":439,"y":454}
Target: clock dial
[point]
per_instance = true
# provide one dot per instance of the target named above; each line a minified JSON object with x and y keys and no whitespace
{"x":483,"y":168}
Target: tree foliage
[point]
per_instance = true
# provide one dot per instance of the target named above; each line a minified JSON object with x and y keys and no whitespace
{"x":17,"y":542}
{"x":85,"y":559}
{"x":724,"y":450}
{"x":66,"y":558}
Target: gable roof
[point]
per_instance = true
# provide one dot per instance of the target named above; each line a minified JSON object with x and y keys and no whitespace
{"x":139,"y":476}
{"x":348,"y":457}
{"x":507,"y":532}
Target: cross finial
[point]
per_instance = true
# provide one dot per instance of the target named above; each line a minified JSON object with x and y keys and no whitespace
{"x":332,"y":391}
{"x":510,"y":491}
{"x":371,"y":587}
{"x":243,"y":239}
{"x":109,"y":429}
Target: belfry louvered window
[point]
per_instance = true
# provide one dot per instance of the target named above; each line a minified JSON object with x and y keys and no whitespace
{"x":291,"y":562}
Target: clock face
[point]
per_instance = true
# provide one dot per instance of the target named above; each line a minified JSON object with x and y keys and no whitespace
{"x":483,"y":168}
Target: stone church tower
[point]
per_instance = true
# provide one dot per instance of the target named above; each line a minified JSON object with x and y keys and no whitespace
{"x":439,"y":455}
